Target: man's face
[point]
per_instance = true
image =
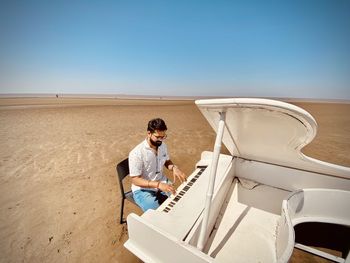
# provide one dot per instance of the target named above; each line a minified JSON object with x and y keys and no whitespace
{"x":156,"y":137}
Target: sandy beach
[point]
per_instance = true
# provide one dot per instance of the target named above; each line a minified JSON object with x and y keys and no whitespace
{"x":59,"y":195}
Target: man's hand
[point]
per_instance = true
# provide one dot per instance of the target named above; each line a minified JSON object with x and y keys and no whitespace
{"x":177,"y":173}
{"x":166,"y":188}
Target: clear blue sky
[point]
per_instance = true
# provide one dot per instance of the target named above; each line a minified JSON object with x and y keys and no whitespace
{"x":219,"y":48}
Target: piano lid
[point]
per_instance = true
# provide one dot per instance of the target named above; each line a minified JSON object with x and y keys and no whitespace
{"x":268,"y":131}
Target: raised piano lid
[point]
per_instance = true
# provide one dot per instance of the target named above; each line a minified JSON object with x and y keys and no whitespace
{"x":268,"y":131}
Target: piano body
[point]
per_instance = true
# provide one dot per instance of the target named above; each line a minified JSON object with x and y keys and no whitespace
{"x":243,"y":207}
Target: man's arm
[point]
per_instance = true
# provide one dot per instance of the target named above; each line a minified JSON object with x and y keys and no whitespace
{"x":177,"y":173}
{"x":141,"y":182}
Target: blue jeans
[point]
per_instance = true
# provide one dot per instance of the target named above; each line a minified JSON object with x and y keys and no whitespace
{"x":148,"y":199}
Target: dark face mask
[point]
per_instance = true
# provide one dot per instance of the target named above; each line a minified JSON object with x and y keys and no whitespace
{"x":156,"y":143}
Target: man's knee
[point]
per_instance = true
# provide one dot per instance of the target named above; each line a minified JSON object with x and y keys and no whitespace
{"x":146,"y":200}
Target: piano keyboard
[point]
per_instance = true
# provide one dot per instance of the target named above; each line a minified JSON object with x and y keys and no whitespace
{"x":183,"y":191}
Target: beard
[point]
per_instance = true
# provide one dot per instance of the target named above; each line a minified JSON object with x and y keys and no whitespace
{"x":155,"y":143}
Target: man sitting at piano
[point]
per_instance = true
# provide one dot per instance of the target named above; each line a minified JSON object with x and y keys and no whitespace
{"x":146,"y":161}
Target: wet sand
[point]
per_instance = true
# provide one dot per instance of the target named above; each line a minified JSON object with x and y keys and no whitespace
{"x":59,"y":196}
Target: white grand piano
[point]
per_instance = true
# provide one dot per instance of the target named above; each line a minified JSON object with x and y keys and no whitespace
{"x":243,"y":207}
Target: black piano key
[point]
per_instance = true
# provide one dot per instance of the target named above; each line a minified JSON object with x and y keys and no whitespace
{"x":182,"y":192}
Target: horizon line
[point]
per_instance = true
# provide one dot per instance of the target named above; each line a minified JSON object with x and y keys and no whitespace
{"x":154,"y":97}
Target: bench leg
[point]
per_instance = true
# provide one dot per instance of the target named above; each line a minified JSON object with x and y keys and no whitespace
{"x":122,"y":221}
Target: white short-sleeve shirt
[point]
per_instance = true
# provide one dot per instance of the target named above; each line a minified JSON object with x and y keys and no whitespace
{"x":144,"y":161}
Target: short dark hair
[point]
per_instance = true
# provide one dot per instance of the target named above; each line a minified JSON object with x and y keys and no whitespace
{"x":156,"y":124}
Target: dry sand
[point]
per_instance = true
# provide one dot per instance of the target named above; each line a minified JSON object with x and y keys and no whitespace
{"x":59,"y":197}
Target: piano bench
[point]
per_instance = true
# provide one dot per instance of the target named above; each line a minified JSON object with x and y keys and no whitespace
{"x":122,"y":172}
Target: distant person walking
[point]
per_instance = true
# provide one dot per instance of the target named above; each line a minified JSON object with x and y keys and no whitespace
{"x":146,"y":161}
